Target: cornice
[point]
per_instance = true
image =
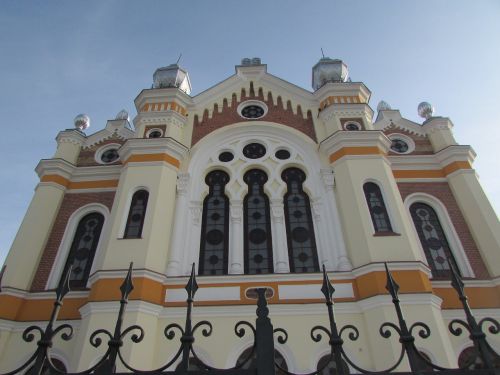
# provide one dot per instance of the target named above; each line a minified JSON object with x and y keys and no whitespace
{"x":387,"y":118}
{"x":164,"y":94}
{"x":437,"y":123}
{"x":455,"y":153}
{"x":168,"y":117}
{"x":73,"y":136}
{"x":101,"y":172}
{"x":55,"y":166}
{"x":342,"y":89}
{"x":366,"y":138}
{"x":345,"y":110}
{"x":393,"y":266}
{"x":141,"y":146}
{"x":406,"y":299}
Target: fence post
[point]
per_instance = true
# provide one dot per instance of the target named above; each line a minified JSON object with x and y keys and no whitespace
{"x":264,"y":339}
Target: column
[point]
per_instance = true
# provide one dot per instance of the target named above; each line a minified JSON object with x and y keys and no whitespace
{"x":342,"y":262}
{"x":278,"y":230}
{"x":236,"y":237}
{"x":193,"y":236}
{"x":174,"y":267}
{"x":320,"y":229}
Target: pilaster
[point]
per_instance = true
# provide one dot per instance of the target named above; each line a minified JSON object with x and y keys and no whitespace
{"x":359,"y":157}
{"x":439,"y":131}
{"x":69,"y":143}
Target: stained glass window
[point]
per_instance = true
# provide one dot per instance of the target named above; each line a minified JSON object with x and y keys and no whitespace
{"x":215,"y":226}
{"x":135,"y":220}
{"x":257,"y":223}
{"x":378,"y":211}
{"x":82,"y":252}
{"x":432,"y":238}
{"x":302,"y":251}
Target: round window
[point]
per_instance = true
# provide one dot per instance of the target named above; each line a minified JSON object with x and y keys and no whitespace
{"x":155,"y":134}
{"x":226,"y":156}
{"x":110,"y":155}
{"x":352,"y":126}
{"x":252,"y":111}
{"x":399,"y":146}
{"x":254,"y":150}
{"x":282,"y":154}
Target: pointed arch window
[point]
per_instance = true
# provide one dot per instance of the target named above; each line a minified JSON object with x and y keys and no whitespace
{"x":376,"y":205}
{"x":433,"y":240}
{"x":83,"y":248}
{"x":257,"y":224}
{"x":302,"y":251}
{"x":136,"y":215}
{"x":215,"y":226}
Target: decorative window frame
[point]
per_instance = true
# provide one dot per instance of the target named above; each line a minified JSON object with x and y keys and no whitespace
{"x":449,"y":230}
{"x":153,"y":130}
{"x":252,"y":102}
{"x":67,"y":239}
{"x":124,"y":217}
{"x":359,"y":127}
{"x":410,"y":142}
{"x":102,"y":150}
{"x":388,"y":206}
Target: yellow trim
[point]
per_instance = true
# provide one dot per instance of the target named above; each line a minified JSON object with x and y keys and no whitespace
{"x":366,"y":150}
{"x":153,"y":157}
{"x":432,"y":173}
{"x":79,"y":184}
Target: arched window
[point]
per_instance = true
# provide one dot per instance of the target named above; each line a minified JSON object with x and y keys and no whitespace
{"x":376,"y":205}
{"x":432,"y":238}
{"x":331,"y":366}
{"x":257,"y":224}
{"x":215,"y":226}
{"x":302,"y":252}
{"x":135,"y":220}
{"x":83,"y":247}
{"x":278,"y":358}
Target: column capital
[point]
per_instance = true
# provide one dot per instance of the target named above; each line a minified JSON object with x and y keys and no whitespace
{"x":73,"y":136}
{"x":182,"y":183}
{"x":328,"y":178}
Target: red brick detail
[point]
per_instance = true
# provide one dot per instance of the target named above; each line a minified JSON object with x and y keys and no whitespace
{"x":442,"y":191}
{"x":86,"y":158}
{"x":276,"y":113}
{"x":422,"y":144}
{"x":70,"y":203}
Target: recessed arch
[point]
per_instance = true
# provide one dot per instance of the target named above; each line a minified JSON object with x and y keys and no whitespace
{"x":448,"y":228}
{"x":67,"y":239}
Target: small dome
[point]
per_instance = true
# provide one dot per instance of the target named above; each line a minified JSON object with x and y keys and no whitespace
{"x":172,"y":76}
{"x":329,"y":70}
{"x":383,"y":106}
{"x":82,"y":121}
{"x":425,"y":110}
{"x":122,"y":115}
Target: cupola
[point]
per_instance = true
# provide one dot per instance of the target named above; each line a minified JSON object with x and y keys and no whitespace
{"x":172,"y":76}
{"x":328,"y":70}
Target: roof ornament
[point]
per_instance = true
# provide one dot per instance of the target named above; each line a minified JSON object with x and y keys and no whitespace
{"x":172,"y":76}
{"x":82,"y":122}
{"x":246,"y":61}
{"x":329,"y":70}
{"x":122,"y":115}
{"x":383,"y":106}
{"x":425,"y":110}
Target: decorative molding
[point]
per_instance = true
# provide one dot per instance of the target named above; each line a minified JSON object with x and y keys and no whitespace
{"x":182,"y":183}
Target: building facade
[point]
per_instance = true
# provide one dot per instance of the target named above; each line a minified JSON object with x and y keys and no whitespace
{"x":259,"y":183}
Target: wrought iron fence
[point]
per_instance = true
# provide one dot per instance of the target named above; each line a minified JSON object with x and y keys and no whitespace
{"x":260,"y":358}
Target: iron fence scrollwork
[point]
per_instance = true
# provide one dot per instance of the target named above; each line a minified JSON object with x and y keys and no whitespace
{"x":260,"y":359}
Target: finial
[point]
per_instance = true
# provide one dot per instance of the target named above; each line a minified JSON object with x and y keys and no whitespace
{"x":383,"y":106}
{"x":322,"y":53}
{"x":179,"y":59}
{"x":127,"y":285}
{"x":456,"y":280}
{"x":327,"y":289}
{"x":82,"y":121}
{"x":63,"y":287}
{"x":122,"y":115}
{"x":425,"y":110}
{"x":392,"y":286}
{"x":192,"y":285}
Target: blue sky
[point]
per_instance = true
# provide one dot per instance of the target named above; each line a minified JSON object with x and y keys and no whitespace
{"x":61,"y":58}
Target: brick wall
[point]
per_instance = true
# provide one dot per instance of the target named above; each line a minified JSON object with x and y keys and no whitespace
{"x":71,"y":202}
{"x":442,"y":191}
{"x":279,"y":113}
{"x":86,"y":158}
